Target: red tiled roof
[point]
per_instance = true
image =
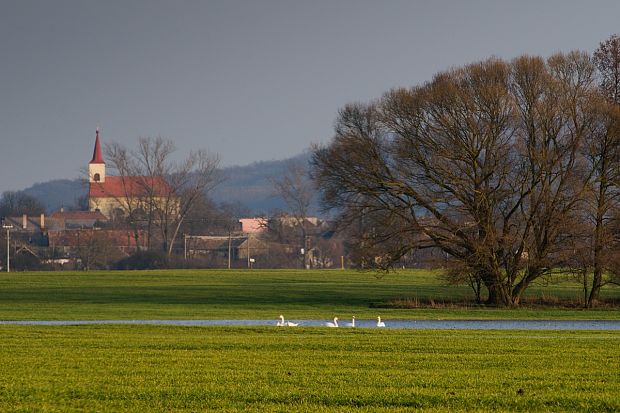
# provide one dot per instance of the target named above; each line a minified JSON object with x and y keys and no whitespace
{"x":79,"y":215}
{"x":81,"y":237}
{"x":130,"y":186}
{"x":97,"y":158}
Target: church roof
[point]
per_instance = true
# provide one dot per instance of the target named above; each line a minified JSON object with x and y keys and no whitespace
{"x":81,"y":237}
{"x":130,"y":186}
{"x":97,"y":157}
{"x":79,"y":215}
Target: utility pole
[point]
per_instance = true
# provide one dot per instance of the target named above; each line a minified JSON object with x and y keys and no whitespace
{"x":249,"y":264}
{"x":307,"y":264}
{"x":229,"y":248}
{"x":185,"y":247}
{"x":8,"y":246}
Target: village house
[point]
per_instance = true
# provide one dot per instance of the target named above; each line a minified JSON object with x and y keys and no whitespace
{"x":69,"y":241}
{"x":253,"y":225}
{"x":33,"y":230}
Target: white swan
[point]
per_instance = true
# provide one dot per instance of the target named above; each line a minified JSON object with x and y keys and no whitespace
{"x":380,"y":323}
{"x":283,"y":323}
{"x":351,"y":324}
{"x":334,"y":324}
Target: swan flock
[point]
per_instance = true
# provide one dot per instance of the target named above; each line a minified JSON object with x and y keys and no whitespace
{"x":334,"y":324}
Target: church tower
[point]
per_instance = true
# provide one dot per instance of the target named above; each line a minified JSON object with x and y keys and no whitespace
{"x":96,"y":167}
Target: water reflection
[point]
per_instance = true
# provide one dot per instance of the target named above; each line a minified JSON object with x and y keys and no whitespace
{"x":411,"y":324}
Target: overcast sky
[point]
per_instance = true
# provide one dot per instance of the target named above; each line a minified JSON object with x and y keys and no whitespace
{"x":250,"y":80}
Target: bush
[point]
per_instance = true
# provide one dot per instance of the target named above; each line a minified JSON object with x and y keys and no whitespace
{"x":27,"y":262}
{"x":144,"y":260}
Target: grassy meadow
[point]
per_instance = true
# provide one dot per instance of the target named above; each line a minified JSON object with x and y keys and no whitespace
{"x":128,"y":368}
{"x":262,"y":294}
{"x":158,"y":368}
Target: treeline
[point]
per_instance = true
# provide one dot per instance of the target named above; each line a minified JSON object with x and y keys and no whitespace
{"x":510,"y":168}
{"x":17,"y":203}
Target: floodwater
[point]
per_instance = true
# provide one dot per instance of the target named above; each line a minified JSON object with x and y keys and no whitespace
{"x":407,"y":324}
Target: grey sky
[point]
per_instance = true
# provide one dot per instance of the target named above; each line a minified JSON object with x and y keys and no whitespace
{"x":251,"y":80}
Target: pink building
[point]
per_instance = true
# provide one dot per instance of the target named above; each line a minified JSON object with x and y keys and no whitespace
{"x":253,"y":225}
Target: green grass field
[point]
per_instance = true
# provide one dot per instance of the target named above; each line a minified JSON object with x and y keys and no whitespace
{"x":128,"y":368}
{"x":257,"y":294}
{"x":155,"y":368}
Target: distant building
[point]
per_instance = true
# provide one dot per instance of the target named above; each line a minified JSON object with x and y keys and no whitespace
{"x":113,"y":195}
{"x":213,"y":246}
{"x":28,"y":224}
{"x":70,"y":240}
{"x":59,"y":220}
{"x":76,"y":219}
{"x":253,"y":225}
{"x":31,"y":232}
{"x":27,"y":230}
{"x":292,"y":221}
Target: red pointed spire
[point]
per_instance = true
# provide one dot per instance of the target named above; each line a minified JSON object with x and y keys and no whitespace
{"x":97,"y":158}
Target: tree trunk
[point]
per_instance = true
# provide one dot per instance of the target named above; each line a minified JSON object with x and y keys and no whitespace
{"x":597,"y":275}
{"x":597,"y":282}
{"x":175,"y":234}
{"x":585,"y":288}
{"x":492,"y":298}
{"x":498,"y":296}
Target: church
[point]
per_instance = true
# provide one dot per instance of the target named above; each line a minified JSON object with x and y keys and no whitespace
{"x":114,"y":195}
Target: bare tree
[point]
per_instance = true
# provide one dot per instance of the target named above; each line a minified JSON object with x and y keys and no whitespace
{"x":167,"y":190}
{"x":297,"y":191}
{"x":95,"y":249}
{"x":607,"y":60}
{"x":16,"y":203}
{"x":602,"y":153}
{"x":555,"y":119}
{"x":190,"y":180}
{"x":207,"y":217}
{"x":483,"y":162}
{"x":131,"y":208}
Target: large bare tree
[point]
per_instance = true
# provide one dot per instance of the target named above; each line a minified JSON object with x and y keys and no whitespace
{"x":603,"y":156}
{"x":131,"y":209}
{"x":161,"y":207}
{"x":297,"y":191}
{"x":484,"y":162}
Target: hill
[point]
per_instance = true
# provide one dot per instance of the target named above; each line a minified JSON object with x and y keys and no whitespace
{"x":58,"y":193}
{"x":248,"y":187}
